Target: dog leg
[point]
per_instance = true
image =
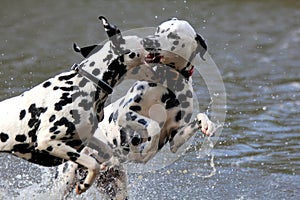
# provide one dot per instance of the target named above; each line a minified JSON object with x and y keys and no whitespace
{"x":184,"y":133}
{"x":112,"y":183}
{"x":68,"y":173}
{"x":144,"y":143}
{"x":64,"y":151}
{"x":65,"y":177}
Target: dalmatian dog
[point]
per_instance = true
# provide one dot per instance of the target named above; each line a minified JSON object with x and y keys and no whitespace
{"x":152,"y":113}
{"x":52,"y":122}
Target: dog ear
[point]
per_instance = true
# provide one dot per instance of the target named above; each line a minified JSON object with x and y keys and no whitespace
{"x":113,"y":32}
{"x":110,"y":29}
{"x":202,"y":47}
{"x":86,"y":51}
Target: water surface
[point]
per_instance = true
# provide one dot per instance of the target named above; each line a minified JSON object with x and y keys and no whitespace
{"x":256,"y":48}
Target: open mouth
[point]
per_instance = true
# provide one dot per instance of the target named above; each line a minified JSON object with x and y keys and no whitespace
{"x":153,"y":58}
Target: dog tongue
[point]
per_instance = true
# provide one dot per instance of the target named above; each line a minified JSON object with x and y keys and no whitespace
{"x":149,"y":57}
{"x":152,"y":58}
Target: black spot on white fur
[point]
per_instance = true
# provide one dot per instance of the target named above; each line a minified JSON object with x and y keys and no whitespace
{"x":136,"y":140}
{"x":20,"y":138}
{"x":22,"y":114}
{"x":3,"y":137}
{"x":142,"y":121}
{"x":135,"y":108}
{"x":52,"y":118}
{"x":67,"y":77}
{"x":66,"y":123}
{"x":65,"y":99}
{"x":46,"y":84}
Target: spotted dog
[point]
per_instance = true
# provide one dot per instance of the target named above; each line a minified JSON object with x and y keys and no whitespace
{"x":152,"y":113}
{"x":52,"y":122}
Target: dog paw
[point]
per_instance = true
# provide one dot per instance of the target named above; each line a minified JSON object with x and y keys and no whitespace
{"x":153,"y":129}
{"x":206,"y":126}
{"x":103,"y":166}
{"x":107,"y":165}
{"x":80,"y":189}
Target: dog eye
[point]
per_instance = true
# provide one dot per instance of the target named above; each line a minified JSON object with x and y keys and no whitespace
{"x":132,"y":55}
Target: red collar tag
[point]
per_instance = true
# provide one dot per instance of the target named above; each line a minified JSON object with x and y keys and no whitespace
{"x":191,"y":71}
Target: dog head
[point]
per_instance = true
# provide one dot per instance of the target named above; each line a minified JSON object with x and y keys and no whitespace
{"x":119,"y":56}
{"x":117,"y":53}
{"x":116,"y":45}
{"x":175,"y":43}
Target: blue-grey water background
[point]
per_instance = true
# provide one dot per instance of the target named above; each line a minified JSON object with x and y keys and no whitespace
{"x":256,"y":47}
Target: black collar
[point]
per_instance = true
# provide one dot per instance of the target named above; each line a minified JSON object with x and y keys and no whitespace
{"x":99,"y":83}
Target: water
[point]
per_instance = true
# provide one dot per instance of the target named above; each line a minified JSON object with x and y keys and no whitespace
{"x":256,"y":47}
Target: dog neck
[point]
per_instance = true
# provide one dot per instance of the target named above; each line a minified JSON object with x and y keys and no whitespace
{"x":186,"y":72}
{"x":97,"y":82}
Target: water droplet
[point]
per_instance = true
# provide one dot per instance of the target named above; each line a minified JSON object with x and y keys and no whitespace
{"x":264,"y":108}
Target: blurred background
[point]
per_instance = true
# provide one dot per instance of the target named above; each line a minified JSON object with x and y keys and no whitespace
{"x":256,"y":47}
